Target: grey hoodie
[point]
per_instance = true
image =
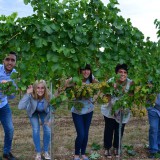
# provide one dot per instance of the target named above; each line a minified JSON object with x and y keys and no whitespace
{"x":30,"y":104}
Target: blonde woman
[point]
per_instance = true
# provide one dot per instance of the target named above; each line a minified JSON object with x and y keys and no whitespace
{"x":36,"y":102}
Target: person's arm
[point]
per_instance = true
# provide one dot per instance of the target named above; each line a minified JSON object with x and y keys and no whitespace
{"x":24,"y":102}
{"x":95,"y":80}
{"x":68,"y":83}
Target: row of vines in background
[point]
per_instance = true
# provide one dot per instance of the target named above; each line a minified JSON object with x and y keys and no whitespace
{"x":63,"y":35}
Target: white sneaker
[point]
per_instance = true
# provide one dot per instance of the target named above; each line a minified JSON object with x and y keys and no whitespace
{"x":38,"y":156}
{"x":47,"y":156}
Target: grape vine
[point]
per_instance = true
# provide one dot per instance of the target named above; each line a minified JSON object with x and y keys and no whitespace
{"x":63,"y":35}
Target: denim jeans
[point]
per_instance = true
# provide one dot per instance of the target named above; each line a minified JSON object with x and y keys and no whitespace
{"x":82,"y":124}
{"x":154,"y":131}
{"x":6,"y":121}
{"x":35,"y":122}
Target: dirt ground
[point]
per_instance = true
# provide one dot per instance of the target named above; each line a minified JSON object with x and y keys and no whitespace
{"x":63,"y":136}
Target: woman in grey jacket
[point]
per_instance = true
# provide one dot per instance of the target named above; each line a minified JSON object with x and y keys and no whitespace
{"x":36,"y":103}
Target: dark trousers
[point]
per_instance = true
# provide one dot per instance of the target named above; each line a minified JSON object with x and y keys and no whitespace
{"x":82,"y":124}
{"x":111,"y":131}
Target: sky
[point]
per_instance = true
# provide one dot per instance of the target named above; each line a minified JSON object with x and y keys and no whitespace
{"x":141,"y":12}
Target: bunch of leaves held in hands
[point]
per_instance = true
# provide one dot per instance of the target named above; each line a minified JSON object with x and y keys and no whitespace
{"x":139,"y":111}
{"x":137,"y":99}
{"x":138,"y":95}
{"x":8,"y":88}
{"x":145,"y":95}
{"x":72,"y":94}
{"x":86,"y":91}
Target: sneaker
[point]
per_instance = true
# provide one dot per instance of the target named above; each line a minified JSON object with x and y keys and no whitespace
{"x":116,"y":152}
{"x":108,"y":154}
{"x":76,"y":159}
{"x":9,"y":156}
{"x":47,"y":156}
{"x":152,"y":155}
{"x":84,"y":157}
{"x":38,"y":156}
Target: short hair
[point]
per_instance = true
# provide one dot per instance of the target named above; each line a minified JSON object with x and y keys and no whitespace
{"x":121,"y":66}
{"x":14,"y":53}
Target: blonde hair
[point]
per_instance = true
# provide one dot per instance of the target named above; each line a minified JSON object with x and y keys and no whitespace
{"x":47,"y":93}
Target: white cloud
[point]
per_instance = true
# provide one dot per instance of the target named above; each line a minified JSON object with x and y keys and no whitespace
{"x":142,"y":14}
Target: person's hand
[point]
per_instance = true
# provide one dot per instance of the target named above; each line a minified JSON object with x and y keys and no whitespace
{"x":4,"y":81}
{"x":30,"y":89}
{"x":115,"y":85}
{"x":67,"y":82}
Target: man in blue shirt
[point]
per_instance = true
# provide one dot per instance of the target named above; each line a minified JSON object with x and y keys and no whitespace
{"x":6,"y":69}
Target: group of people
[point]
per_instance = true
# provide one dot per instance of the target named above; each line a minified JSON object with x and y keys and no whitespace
{"x":36,"y":102}
{"x":82,"y":119}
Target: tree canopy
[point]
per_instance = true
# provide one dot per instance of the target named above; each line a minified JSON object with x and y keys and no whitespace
{"x":63,"y":35}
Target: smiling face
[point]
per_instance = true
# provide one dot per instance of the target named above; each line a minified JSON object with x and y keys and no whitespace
{"x":86,"y":73}
{"x":40,"y":90}
{"x":9,"y":62}
{"x":123,"y":74}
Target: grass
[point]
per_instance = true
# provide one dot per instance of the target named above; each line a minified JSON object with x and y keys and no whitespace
{"x":135,"y":135}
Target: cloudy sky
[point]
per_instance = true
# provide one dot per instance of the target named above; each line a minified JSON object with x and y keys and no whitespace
{"x":9,"y":6}
{"x":141,"y":12}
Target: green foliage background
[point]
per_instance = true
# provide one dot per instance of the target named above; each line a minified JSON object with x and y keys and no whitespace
{"x":62,"y":36}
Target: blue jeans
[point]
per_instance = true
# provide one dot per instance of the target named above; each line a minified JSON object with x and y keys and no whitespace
{"x":6,"y":121}
{"x":35,"y":122}
{"x":154,"y":131}
{"x":82,"y":124}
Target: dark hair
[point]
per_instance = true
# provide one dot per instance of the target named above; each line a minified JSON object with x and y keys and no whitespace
{"x":121,"y":66}
{"x":88,"y":67}
{"x":14,"y":53}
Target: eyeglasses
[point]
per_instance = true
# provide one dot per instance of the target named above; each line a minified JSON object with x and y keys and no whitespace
{"x":10,"y":59}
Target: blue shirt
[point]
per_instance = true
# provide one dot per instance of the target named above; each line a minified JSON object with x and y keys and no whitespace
{"x":4,"y":76}
{"x":40,"y":106}
{"x":158,"y":99}
{"x":156,"y":102}
{"x":88,"y":105}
